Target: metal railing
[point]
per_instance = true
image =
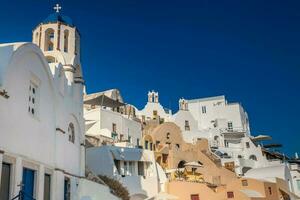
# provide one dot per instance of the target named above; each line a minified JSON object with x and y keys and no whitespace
{"x":23,"y":196}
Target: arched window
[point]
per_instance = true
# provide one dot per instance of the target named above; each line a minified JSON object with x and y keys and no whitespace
{"x":49,"y":39}
{"x":253,"y":157}
{"x":181,"y":164}
{"x":71,"y":133}
{"x":66,"y":40}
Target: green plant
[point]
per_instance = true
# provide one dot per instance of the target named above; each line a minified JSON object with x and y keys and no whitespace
{"x":116,"y":187}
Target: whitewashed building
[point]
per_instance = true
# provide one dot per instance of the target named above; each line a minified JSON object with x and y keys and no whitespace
{"x":135,"y":168}
{"x":153,"y":110}
{"x":41,"y":110}
{"x":109,"y":119}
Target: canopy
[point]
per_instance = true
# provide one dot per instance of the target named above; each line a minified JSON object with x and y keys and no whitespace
{"x":193,"y":164}
{"x":261,"y":138}
{"x":101,"y":99}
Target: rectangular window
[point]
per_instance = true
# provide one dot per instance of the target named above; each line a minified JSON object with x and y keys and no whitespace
{"x":186,"y":125}
{"x":32,"y":99}
{"x":67,"y":189}
{"x":146,"y":144}
{"x":230,"y":195}
{"x":47,"y":187}
{"x":230,"y":126}
{"x":203,"y":109}
{"x":270,"y":190}
{"x":114,"y":128}
{"x":5,"y":181}
{"x":141,"y":169}
{"x":244,"y":183}
{"x":195,"y":197}
{"x":137,"y":142}
{"x":248,"y":145}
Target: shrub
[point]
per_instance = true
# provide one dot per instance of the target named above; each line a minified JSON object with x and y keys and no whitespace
{"x":117,"y":188}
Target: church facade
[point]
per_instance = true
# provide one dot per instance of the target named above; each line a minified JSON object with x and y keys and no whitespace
{"x":41,"y":112}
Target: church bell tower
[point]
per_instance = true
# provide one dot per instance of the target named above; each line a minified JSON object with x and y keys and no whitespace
{"x":59,"y":40}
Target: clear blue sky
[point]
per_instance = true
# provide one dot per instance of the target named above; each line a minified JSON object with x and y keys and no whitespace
{"x":246,"y":50}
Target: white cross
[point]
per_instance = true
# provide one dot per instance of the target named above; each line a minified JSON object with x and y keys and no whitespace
{"x":57,"y":7}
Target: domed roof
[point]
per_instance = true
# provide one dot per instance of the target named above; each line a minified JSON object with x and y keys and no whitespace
{"x":57,"y":17}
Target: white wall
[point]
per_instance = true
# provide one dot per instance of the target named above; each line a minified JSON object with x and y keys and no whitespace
{"x":105,"y":118}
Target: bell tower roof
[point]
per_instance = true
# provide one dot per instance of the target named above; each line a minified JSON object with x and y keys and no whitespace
{"x":58,"y":17}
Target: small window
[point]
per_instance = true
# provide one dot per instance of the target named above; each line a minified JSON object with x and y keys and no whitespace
{"x":114,"y":128}
{"x":247,"y":145}
{"x":195,"y":197}
{"x":71,"y":133}
{"x":138,"y":142}
{"x":168,"y":135}
{"x":203,"y":109}
{"x":253,"y":157}
{"x":270,"y":190}
{"x":186,"y":125}
{"x":230,"y":126}
{"x":230,"y":195}
{"x":178,"y":146}
{"x":244,"y":182}
{"x":32,"y":99}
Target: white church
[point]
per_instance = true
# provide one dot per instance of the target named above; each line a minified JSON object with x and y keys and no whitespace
{"x":42,"y":152}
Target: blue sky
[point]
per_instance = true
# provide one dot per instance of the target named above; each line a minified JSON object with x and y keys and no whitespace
{"x":246,"y":50}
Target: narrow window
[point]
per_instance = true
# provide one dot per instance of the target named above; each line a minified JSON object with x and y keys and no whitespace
{"x":49,"y":40}
{"x":154,"y":114}
{"x":146,"y":144}
{"x":71,"y":133}
{"x":114,"y":128}
{"x":138,"y":142}
{"x":47,"y":187}
{"x":67,"y":189}
{"x":270,"y":190}
{"x":141,"y":169}
{"x":32,"y":99}
{"x":230,"y":195}
{"x":186,"y":125}
{"x":203,"y":109}
{"x":66,"y":40}
{"x":230,"y":126}
{"x":5,"y":181}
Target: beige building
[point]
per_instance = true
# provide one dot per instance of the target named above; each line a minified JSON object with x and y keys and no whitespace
{"x":195,"y":173}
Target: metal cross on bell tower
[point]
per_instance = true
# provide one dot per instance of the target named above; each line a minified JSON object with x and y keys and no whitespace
{"x":57,"y":8}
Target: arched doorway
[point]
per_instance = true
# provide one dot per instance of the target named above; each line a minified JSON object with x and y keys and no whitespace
{"x":181,"y":164}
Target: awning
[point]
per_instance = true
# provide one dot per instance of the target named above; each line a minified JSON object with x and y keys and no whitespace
{"x":102,"y":100}
{"x":193,"y":164}
{"x":129,"y":154}
{"x":261,"y":138}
